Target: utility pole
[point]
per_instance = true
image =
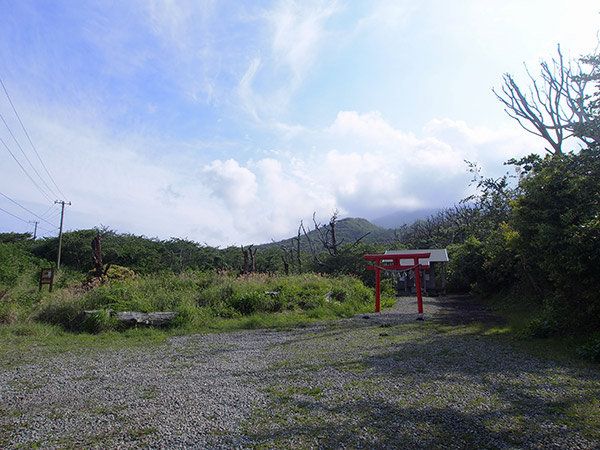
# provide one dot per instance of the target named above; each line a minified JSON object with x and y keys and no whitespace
{"x":62,"y":214}
{"x":35,"y":229}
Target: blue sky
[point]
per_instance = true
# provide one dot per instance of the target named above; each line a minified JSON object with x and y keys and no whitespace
{"x":228,"y":122}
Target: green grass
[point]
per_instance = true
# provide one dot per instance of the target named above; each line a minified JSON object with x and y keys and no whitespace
{"x":22,"y":343}
{"x":199,"y":297}
{"x":517,"y":313}
{"x":45,"y":322}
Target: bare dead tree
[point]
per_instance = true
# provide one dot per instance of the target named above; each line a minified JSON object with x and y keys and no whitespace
{"x":298,"y":250}
{"x":97,"y":255}
{"x":326,"y":234}
{"x":246,"y":254}
{"x":286,"y":264}
{"x":292,"y":252}
{"x":253,"y":258}
{"x":357,"y":241}
{"x":555,"y":105}
{"x":288,"y":255}
{"x":311,"y":245}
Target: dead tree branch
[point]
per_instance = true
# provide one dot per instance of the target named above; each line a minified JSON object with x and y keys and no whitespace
{"x":312,"y":247}
{"x":554,"y":107}
{"x":327,"y":236}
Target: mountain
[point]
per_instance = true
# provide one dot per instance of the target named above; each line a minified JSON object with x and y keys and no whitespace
{"x":347,"y":231}
{"x":399,"y":218}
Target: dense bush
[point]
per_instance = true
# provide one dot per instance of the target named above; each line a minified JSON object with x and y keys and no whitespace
{"x":557,"y":230}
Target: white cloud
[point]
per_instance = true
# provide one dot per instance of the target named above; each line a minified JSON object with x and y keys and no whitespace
{"x":376,"y":169}
{"x":231,"y":183}
{"x":369,"y":126}
{"x":360,"y":165}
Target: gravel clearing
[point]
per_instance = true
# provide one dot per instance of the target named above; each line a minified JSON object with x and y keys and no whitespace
{"x":374,"y":381}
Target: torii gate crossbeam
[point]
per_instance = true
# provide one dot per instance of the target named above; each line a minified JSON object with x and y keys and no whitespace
{"x":394,"y":262}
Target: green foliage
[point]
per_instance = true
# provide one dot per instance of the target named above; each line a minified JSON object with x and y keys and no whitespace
{"x":15,"y":260}
{"x":589,"y":130}
{"x":75,"y":251}
{"x":540,"y":327}
{"x":466,"y":262}
{"x":63,"y":308}
{"x":19,"y":278}
{"x":556,"y":220}
{"x":139,"y":253}
{"x":204,"y":299}
{"x":591,"y":348}
{"x":100,"y":321}
{"x":112,"y":272}
{"x":11,"y":238}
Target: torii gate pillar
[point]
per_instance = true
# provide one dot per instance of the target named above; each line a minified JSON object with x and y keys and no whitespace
{"x":396,"y":264}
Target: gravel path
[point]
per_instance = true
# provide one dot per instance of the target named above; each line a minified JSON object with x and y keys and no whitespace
{"x":374,"y":381}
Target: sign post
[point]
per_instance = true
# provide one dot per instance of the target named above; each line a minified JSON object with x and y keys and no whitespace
{"x":47,"y":277}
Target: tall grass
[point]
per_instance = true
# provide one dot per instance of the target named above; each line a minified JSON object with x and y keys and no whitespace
{"x":208,"y":300}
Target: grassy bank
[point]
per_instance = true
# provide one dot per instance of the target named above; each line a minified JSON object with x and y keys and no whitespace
{"x":525,"y":323}
{"x":204,"y":301}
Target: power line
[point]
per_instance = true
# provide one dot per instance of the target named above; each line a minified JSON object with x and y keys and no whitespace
{"x":26,"y":157}
{"x":47,"y":230}
{"x":29,"y":139}
{"x":48,"y":210}
{"x":16,"y":217}
{"x":23,"y":168}
{"x":29,"y":222}
{"x":21,"y":206}
{"x":54,"y":215}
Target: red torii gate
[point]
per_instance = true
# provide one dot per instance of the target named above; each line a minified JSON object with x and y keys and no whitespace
{"x":396,"y":264}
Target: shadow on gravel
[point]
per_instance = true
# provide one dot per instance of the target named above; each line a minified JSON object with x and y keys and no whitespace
{"x":464,"y":309}
{"x":441,"y":385}
{"x":454,"y":310}
{"x":381,"y":424}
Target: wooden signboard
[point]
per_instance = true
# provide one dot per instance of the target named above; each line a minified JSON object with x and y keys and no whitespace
{"x":47,"y":277}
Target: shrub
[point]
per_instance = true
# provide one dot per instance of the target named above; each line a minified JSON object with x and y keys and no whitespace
{"x":590,"y":349}
{"x":99,"y":321}
{"x":540,"y":328}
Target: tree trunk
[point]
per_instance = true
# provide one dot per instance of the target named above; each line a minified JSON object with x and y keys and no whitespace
{"x":97,"y":255}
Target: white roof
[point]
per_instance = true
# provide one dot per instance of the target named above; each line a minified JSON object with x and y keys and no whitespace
{"x":437,"y":254}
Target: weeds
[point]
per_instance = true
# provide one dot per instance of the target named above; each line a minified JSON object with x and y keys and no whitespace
{"x":204,"y":301}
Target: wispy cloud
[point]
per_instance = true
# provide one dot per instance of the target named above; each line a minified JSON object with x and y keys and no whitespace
{"x":298,"y":30}
{"x":296,"y":36}
{"x":386,"y":16}
{"x":245,"y":90}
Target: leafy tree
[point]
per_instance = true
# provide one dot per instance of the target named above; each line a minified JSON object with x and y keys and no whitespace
{"x":589,"y":131}
{"x":76,"y":250}
{"x":14,"y":237}
{"x":557,"y":231}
